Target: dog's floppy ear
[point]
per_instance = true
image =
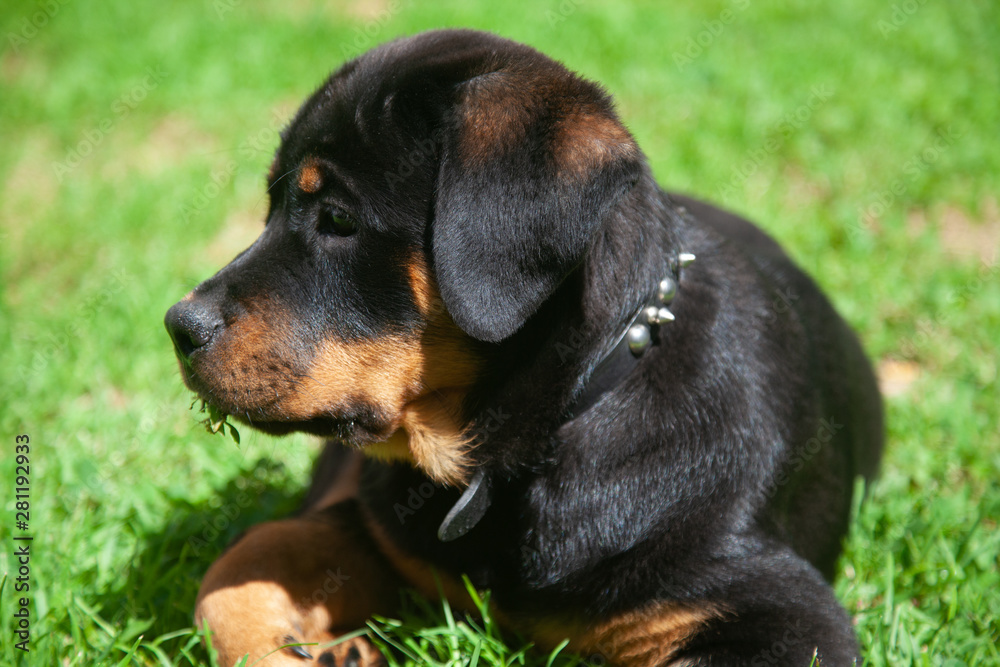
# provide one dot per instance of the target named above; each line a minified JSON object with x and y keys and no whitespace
{"x":532,"y":162}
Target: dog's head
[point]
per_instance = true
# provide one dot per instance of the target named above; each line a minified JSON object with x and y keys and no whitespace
{"x":424,"y":203}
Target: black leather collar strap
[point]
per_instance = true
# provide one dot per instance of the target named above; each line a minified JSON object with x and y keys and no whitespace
{"x":608,"y":373}
{"x":641,"y":333}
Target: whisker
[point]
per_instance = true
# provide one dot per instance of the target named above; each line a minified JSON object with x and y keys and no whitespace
{"x":276,"y":181}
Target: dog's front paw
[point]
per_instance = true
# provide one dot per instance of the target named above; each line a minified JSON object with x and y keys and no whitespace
{"x":283,"y":593}
{"x":321,"y":650}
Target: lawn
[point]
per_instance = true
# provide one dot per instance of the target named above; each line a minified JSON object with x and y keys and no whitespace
{"x":133,"y":147}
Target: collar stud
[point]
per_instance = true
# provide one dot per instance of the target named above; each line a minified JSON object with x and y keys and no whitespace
{"x":667,"y":290}
{"x":639,"y":339}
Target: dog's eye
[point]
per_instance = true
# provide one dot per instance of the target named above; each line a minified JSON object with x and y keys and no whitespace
{"x":336,"y":222}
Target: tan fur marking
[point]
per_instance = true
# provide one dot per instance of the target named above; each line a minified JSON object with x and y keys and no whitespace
{"x":425,"y":292}
{"x":437,"y":441}
{"x":431,"y":437}
{"x":589,"y":139}
{"x":643,"y":638}
{"x":310,"y":176}
{"x":495,"y":115}
{"x":395,"y":448}
{"x":235,"y":370}
{"x":499,"y":108}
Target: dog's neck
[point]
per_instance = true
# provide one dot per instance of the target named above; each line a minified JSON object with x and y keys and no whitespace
{"x":605,"y":367}
{"x":643,"y":332}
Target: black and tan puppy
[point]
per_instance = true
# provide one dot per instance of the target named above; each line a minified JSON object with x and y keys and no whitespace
{"x":468,"y":275}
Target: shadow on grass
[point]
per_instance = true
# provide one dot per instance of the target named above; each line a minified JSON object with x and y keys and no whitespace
{"x":150,"y":611}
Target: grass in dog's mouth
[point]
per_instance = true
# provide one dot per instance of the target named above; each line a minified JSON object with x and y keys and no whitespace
{"x":216,"y":421}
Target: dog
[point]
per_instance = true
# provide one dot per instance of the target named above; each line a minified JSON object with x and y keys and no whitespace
{"x":625,"y":412}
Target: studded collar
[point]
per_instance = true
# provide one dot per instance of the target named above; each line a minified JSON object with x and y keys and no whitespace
{"x":642,"y":333}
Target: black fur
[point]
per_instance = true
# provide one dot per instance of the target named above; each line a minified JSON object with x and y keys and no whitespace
{"x":718,"y":473}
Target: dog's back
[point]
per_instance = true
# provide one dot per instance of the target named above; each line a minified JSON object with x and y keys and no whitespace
{"x":810,"y":497}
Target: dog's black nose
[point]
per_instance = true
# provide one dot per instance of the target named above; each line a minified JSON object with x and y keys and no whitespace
{"x":191,"y":325}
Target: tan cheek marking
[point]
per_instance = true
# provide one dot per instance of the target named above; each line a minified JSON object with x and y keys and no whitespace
{"x":642,"y":638}
{"x":417,"y":382}
{"x":438,"y":440}
{"x":236,"y":370}
{"x":430,"y":430}
{"x":310,"y":176}
{"x":251,"y":368}
{"x":383,"y":372}
{"x":589,"y":139}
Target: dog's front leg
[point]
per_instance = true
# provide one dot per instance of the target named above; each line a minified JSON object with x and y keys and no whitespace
{"x":298,"y":581}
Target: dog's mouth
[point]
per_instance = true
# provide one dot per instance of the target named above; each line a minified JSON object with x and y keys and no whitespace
{"x":353,"y":431}
{"x":353,"y":423}
{"x":356,"y":429}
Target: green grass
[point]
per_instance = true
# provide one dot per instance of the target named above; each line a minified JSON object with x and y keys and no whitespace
{"x":134,"y":142}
